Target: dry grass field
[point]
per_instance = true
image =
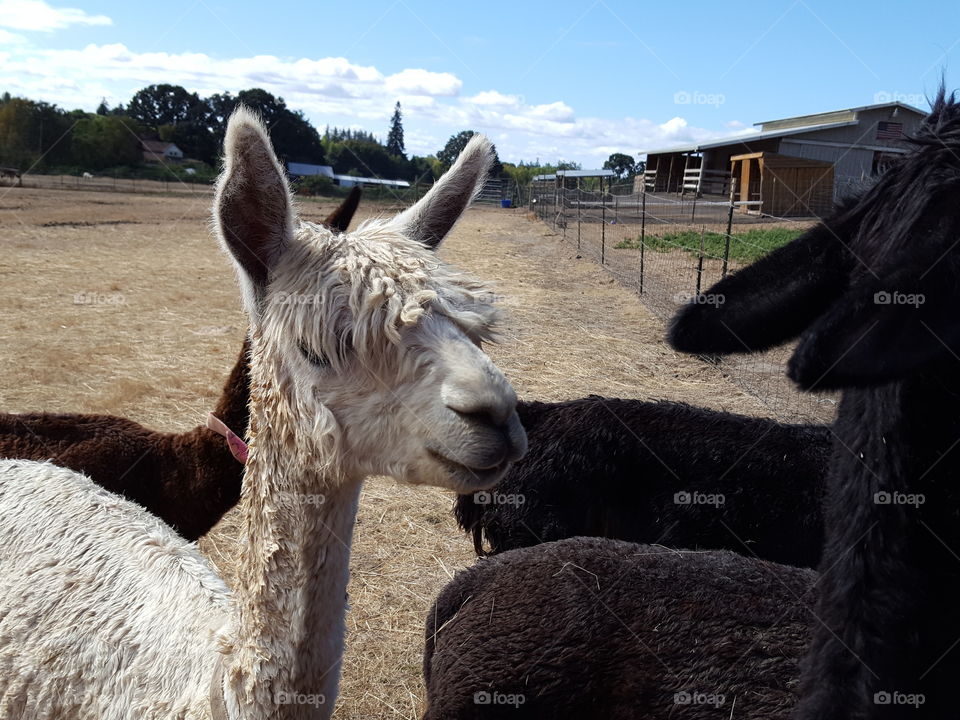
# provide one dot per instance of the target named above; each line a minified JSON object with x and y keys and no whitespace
{"x":124,"y":304}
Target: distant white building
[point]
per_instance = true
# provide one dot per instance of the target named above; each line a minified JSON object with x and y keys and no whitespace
{"x":298,"y":170}
{"x":351,"y":180}
{"x":158,"y":151}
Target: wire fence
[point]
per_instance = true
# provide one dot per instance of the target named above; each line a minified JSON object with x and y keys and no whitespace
{"x":108,"y":183}
{"x":668,"y":249}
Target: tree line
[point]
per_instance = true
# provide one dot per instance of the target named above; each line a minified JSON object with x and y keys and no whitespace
{"x":42,"y":137}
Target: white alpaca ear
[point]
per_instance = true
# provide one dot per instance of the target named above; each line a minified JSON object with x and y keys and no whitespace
{"x":437,"y":212}
{"x":253,"y":211}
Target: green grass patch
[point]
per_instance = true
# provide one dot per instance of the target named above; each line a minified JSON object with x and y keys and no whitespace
{"x":745,"y":246}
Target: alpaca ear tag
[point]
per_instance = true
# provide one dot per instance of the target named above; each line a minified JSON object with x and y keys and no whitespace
{"x":238,"y":448}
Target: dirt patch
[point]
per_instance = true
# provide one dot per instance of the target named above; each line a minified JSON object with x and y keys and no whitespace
{"x":144,"y":320}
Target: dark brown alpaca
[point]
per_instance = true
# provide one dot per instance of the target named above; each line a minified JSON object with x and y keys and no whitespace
{"x":187,"y":479}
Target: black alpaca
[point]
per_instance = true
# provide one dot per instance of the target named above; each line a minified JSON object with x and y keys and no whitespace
{"x":595,"y":628}
{"x":658,"y":472}
{"x":874,"y":294}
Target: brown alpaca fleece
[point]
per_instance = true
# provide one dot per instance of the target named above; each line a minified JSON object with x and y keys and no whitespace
{"x":597,"y":628}
{"x":189,"y":480}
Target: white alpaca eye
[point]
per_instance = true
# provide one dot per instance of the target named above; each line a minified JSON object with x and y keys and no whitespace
{"x":312,"y":357}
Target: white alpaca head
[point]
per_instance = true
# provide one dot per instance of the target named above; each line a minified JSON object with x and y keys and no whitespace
{"x":370,"y":342}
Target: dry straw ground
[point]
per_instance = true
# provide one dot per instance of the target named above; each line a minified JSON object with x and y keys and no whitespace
{"x":123,"y":304}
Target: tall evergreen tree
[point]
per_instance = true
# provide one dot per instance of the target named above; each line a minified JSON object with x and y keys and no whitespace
{"x":395,"y":137}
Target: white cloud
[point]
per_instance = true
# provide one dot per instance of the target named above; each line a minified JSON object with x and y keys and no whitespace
{"x":37,"y":15}
{"x":337,"y":91}
{"x":494,"y":98}
{"x":9,"y":38}
{"x":423,"y":82}
{"x":555,"y":111}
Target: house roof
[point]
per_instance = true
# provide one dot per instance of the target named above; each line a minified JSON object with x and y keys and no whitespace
{"x":304,"y":169}
{"x":746,"y":138}
{"x":372,"y":181}
{"x":157,"y":146}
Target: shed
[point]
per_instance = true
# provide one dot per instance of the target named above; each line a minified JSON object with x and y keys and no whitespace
{"x":785,"y":186}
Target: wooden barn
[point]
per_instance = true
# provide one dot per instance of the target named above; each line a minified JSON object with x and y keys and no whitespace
{"x":856,"y":143}
{"x":786,"y":186}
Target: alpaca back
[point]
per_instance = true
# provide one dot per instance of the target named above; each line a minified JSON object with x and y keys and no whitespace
{"x":110,"y":615}
{"x":597,"y":628}
{"x":609,"y":467}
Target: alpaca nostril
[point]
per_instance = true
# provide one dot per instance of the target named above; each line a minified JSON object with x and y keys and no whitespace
{"x":484,"y":417}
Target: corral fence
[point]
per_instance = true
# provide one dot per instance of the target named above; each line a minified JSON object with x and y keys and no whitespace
{"x":669,"y":249}
{"x":111,"y":183}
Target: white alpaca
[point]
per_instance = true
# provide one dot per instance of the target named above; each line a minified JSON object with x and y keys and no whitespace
{"x":365,"y":361}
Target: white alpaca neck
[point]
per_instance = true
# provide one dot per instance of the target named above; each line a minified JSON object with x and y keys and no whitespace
{"x":292,"y":584}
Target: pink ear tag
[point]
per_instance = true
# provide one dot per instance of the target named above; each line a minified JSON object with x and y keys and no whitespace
{"x":238,"y":448}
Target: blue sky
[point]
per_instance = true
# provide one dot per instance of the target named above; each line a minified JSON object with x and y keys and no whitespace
{"x":547,"y":80}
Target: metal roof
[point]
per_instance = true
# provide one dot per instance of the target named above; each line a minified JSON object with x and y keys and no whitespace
{"x":585,"y":173}
{"x":877,"y":106}
{"x":748,"y":138}
{"x":307,"y":169}
{"x":348,"y":180}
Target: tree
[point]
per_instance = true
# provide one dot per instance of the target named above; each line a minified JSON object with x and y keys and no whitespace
{"x":395,"y":136}
{"x":177,"y":116}
{"x":103,"y":141}
{"x":294,"y":138}
{"x":455,"y":145}
{"x":623,"y":165}
{"x":103,"y":108}
{"x":34,"y":133}
{"x":163,"y":104}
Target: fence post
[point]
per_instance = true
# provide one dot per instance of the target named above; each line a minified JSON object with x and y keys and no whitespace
{"x":579,"y":199}
{"x":643,"y":231}
{"x":556,"y":189}
{"x":603,"y":223}
{"x":703,"y":230}
{"x":563,"y":208}
{"x":726,"y":244}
